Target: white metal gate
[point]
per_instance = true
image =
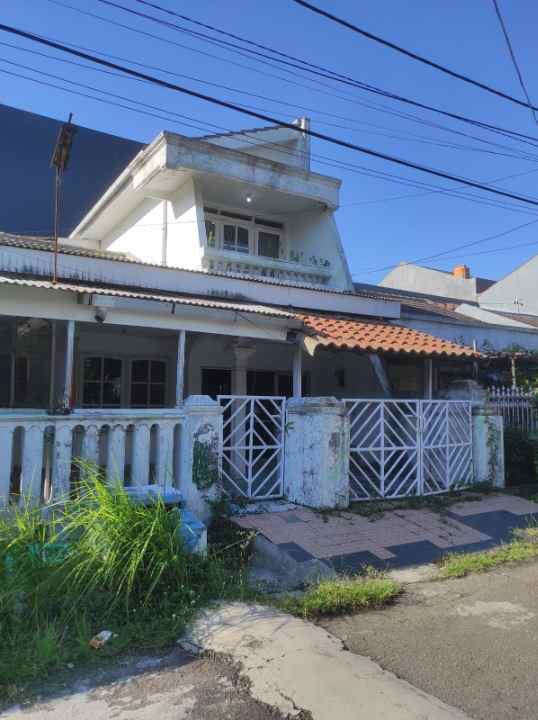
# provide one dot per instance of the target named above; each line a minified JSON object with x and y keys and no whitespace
{"x":400,"y":448}
{"x":253,"y":445}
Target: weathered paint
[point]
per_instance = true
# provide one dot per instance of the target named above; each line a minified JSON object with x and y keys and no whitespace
{"x":316,"y":458}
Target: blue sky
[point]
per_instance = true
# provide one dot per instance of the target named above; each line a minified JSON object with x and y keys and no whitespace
{"x":381,"y":221}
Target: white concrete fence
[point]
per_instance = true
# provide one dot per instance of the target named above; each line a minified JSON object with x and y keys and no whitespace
{"x":311,"y":453}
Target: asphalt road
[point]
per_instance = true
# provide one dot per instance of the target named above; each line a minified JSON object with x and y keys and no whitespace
{"x":471,"y":642}
{"x":176,"y":687}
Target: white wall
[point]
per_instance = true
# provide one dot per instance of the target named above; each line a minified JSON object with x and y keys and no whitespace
{"x":140,"y":233}
{"x":521,"y":285}
{"x":315,"y":234}
{"x":185,"y":236}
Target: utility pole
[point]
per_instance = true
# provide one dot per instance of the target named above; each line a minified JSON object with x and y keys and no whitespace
{"x":59,"y":161}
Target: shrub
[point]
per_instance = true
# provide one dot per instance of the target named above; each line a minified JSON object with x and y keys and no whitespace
{"x":520,"y":457}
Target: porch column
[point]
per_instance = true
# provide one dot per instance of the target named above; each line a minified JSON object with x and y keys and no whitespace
{"x":298,"y":371}
{"x":180,"y":368}
{"x":68,"y":370}
{"x":240,"y":411}
{"x":428,"y":379}
{"x":241,"y":353}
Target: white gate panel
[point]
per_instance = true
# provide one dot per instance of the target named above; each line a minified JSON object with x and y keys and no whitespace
{"x":447,"y":459}
{"x":401,"y":448}
{"x":253,"y":445}
{"x":384,"y":458}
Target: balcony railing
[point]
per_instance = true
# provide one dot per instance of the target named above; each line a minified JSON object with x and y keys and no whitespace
{"x":257,"y":265}
{"x":38,"y":452}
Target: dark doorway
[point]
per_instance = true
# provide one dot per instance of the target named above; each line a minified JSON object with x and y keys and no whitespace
{"x":216,"y":381}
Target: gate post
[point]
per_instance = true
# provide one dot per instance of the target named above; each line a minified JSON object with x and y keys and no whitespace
{"x":488,"y":447}
{"x":199,"y":454}
{"x":316,"y":454}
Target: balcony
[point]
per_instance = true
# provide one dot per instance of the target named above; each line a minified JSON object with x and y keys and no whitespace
{"x":285,"y":270}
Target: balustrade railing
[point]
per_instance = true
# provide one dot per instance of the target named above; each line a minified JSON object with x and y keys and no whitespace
{"x":38,"y":452}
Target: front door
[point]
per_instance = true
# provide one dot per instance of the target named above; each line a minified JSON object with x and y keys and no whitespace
{"x":216,"y":381}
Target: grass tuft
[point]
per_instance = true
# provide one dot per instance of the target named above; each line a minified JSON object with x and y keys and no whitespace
{"x":341,"y":597}
{"x":100,"y":562}
{"x":459,"y":565}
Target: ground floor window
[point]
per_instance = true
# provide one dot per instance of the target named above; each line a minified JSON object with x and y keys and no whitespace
{"x":123,"y":382}
{"x":102,"y":382}
{"x":148,"y":383}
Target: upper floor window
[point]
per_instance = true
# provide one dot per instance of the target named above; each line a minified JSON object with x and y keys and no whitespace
{"x":235,"y":232}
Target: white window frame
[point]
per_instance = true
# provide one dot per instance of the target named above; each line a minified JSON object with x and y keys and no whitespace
{"x":254,"y":228}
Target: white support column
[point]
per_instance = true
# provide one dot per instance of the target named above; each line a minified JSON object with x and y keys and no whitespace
{"x":164,"y":461}
{"x":63,"y":452}
{"x":115,"y":460}
{"x":428,"y":379}
{"x":298,"y":371}
{"x":90,"y":444}
{"x":140,"y":459}
{"x":68,"y":370}
{"x":241,"y":353}
{"x":180,"y":368}
{"x":32,"y":462}
{"x":6,"y":453}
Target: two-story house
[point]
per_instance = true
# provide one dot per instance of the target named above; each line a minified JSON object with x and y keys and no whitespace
{"x":210,"y":266}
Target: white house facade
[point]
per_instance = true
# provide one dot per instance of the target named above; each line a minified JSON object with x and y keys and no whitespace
{"x":203,"y":309}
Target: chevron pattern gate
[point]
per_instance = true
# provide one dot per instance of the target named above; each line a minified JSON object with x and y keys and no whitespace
{"x":400,"y":448}
{"x":253,"y":445}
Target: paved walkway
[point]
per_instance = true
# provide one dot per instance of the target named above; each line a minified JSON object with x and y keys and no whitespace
{"x":295,"y":666}
{"x":346,"y":541}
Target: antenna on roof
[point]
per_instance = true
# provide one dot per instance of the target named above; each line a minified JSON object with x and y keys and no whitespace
{"x":60,"y":161}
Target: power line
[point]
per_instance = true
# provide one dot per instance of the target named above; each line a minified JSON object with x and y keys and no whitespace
{"x":457,"y":247}
{"x":330,"y":74}
{"x":412,"y":55}
{"x":430,"y":192}
{"x":513,"y":56}
{"x":267,"y":118}
{"x":408,"y":136}
{"x":324,"y":160}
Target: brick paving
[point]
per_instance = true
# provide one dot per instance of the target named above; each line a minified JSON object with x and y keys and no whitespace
{"x":348,"y":541}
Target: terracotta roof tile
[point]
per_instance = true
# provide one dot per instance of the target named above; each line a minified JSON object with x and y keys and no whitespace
{"x":377,"y":336}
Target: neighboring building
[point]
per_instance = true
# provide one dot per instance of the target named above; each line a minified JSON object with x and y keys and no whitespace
{"x":458,"y":284}
{"x":214,"y":267}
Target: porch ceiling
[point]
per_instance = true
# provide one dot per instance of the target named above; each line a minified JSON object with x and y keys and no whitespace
{"x":347,"y":333}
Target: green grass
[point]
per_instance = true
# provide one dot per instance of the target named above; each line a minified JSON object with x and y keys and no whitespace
{"x":459,"y":565}
{"x":341,"y":597}
{"x":102,"y":562}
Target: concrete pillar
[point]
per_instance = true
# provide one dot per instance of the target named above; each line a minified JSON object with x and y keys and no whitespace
{"x":316,"y":457}
{"x":488,"y":447}
{"x":297,"y":376}
{"x":199,"y":464}
{"x":241,"y":353}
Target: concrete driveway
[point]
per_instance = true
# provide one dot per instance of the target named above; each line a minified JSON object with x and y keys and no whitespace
{"x":471,"y":642}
